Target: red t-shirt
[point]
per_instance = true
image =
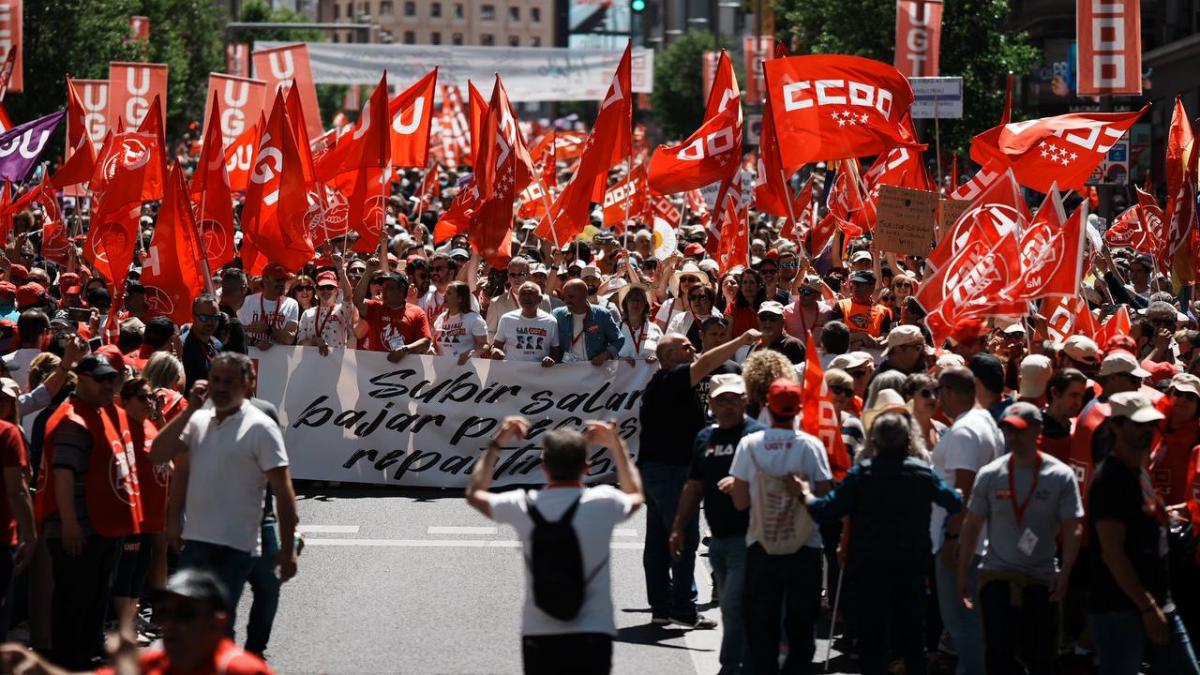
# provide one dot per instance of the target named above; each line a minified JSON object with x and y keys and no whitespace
{"x":229,"y":659}
{"x":388,"y":328}
{"x":12,"y":454}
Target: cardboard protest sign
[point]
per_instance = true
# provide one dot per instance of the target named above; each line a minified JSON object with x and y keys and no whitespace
{"x":906,"y":220}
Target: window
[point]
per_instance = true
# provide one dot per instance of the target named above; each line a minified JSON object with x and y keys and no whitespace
{"x":435,"y":9}
{"x":514,"y":41}
{"x":385,"y":8}
{"x":487,"y":12}
{"x":535,"y":41}
{"x":458,"y":10}
{"x":435,"y":38}
{"x":409,"y":37}
{"x":487,"y":40}
{"x":337,"y":11}
{"x":410,"y":8}
{"x":514,"y":13}
{"x":535,"y":14}
{"x":456,"y":39}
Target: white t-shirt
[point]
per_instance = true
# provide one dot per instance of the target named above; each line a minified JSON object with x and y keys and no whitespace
{"x":650,"y":334}
{"x":576,"y":346}
{"x":527,"y":339}
{"x":335,"y":325}
{"x":456,"y":334}
{"x":600,"y":509}
{"x":227,"y":480}
{"x":779,"y":452}
{"x":276,"y":313}
{"x":969,"y":444}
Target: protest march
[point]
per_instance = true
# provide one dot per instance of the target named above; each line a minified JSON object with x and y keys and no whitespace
{"x":848,"y":396}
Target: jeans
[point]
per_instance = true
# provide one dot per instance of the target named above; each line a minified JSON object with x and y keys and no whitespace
{"x":264,"y":586}
{"x":232,"y":566}
{"x":888,"y":596}
{"x":787,"y":586}
{"x":1019,"y":639}
{"x":1121,"y":643}
{"x":7,"y":566}
{"x":965,"y":626}
{"x":82,"y":590}
{"x":728,"y":558}
{"x":670,"y":582}
{"x":577,"y":653}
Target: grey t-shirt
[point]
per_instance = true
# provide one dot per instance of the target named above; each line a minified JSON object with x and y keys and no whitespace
{"x":1056,"y":500}
{"x":72,"y":450}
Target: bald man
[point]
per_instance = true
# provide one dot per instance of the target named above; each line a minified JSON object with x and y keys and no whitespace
{"x":586,"y":332}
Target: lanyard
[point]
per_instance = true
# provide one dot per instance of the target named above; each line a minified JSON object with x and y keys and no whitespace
{"x":322,"y":324}
{"x":1019,"y":508}
{"x":582,"y":329}
{"x":637,"y":339}
{"x":262,"y":313}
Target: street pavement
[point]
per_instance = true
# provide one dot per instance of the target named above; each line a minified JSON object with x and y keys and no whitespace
{"x":415,"y":581}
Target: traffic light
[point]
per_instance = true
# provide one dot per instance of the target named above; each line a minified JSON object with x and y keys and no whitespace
{"x":637,"y":6}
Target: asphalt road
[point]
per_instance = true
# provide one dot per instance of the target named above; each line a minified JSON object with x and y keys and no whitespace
{"x":415,"y":581}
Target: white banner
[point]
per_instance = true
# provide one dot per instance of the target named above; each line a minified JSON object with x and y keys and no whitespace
{"x":354,"y":417}
{"x":529,"y":73}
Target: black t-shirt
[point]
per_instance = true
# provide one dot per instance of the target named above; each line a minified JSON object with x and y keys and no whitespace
{"x":671,"y":416}
{"x":790,"y":347}
{"x":713,"y":456}
{"x":1116,"y":493}
{"x":705,"y":385}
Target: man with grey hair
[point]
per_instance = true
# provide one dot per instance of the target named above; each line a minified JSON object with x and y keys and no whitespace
{"x":527,"y":333}
{"x":507,"y":301}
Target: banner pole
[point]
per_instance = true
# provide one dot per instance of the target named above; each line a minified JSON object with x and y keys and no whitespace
{"x":937,"y":142}
{"x":208,"y":283}
{"x":421,"y":194}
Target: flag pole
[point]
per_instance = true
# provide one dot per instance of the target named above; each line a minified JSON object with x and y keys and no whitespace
{"x":421,"y":193}
{"x":937,"y":141}
{"x":208,"y":282}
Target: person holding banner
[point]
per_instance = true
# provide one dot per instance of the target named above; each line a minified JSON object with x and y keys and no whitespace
{"x":586,"y":332}
{"x":393,"y":324}
{"x":532,"y":332}
{"x":461,"y":332}
{"x":329,"y":322}
{"x":270,"y":316}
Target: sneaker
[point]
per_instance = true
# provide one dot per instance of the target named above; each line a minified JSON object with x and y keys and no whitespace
{"x":660,"y":619}
{"x":699,"y":622}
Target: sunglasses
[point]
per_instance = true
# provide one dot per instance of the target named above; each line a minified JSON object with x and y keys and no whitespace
{"x":805,"y":290}
{"x":842,"y":391}
{"x":689,"y":280}
{"x":326,"y":288}
{"x":358,"y":270}
{"x":518,"y":275}
{"x":928,"y":392}
{"x":305,"y":288}
{"x":207,"y":318}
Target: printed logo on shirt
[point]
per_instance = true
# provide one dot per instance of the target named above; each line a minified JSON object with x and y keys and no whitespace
{"x":121,"y":475}
{"x":723,"y":450}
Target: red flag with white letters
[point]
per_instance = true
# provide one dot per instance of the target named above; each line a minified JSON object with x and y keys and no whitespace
{"x":1109,"y":39}
{"x":628,"y":196}
{"x":212,"y":198}
{"x":504,"y":169}
{"x":918,"y":37}
{"x":770,"y":183}
{"x":970,"y":284}
{"x":1051,"y":250}
{"x":412,"y":118}
{"x":996,"y":212}
{"x":730,"y":221}
{"x":819,"y":418}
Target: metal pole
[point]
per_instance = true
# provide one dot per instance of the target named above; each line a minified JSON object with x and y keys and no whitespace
{"x":937,"y":143}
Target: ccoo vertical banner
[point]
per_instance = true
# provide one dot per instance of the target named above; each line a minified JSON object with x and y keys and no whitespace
{"x":1109,"y":33}
{"x":918,"y":37}
{"x":131,"y":90}
{"x":241,"y":100}
{"x":11,"y":38}
{"x":286,"y":67}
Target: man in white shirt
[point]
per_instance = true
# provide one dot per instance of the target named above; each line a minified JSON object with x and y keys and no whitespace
{"x":519,"y":272}
{"x":270,"y":317}
{"x":775,"y":579}
{"x":531,"y":332}
{"x":230,"y":452}
{"x":971,"y":442}
{"x":582,"y":644}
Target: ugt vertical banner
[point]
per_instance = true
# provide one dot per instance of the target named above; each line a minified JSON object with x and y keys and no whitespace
{"x":287,"y":67}
{"x":131,"y":90}
{"x":11,"y":38}
{"x":1109,"y":34}
{"x":94,"y":96}
{"x":918,"y":37}
{"x":241,"y":100}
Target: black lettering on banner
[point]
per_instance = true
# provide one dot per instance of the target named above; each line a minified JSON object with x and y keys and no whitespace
{"x":542,"y":401}
{"x":410,"y":463}
{"x":474,"y":427}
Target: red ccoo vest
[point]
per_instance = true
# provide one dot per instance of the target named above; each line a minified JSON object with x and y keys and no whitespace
{"x":1080,"y":458}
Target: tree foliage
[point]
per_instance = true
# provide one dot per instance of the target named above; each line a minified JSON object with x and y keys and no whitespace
{"x":678,"y":97}
{"x":975,"y":45}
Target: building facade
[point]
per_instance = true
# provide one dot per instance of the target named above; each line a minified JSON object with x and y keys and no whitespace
{"x":511,"y":23}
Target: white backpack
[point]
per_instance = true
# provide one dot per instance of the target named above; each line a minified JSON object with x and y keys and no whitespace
{"x":779,"y":522}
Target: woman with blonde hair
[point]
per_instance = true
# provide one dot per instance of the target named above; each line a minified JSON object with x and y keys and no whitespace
{"x":761,"y":369}
{"x":303,"y":291}
{"x":165,"y":375}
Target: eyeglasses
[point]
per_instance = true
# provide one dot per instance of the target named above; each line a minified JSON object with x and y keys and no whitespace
{"x":207,"y":318}
{"x":518,"y":275}
{"x":842,"y":391}
{"x":305,"y":288}
{"x":928,"y":392}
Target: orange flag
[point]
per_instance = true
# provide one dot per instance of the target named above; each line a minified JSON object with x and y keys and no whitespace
{"x":212,"y":198}
{"x":172,"y":271}
{"x":820,"y":418}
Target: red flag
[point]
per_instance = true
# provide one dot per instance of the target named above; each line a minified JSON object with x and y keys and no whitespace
{"x":371,"y":153}
{"x":610,"y":141}
{"x":627,"y":197}
{"x":980,"y":181}
{"x":504,"y":169}
{"x":1117,"y":324}
{"x":6,"y":214}
{"x":1064,"y":149}
{"x":412,"y":117}
{"x":289,"y":67}
{"x":1109,"y":36}
{"x":918,"y":37}
{"x":129,"y":168}
{"x":295,"y":118}
{"x":1051,"y":253}
{"x":998,"y":211}
{"x":1181,"y":195}
{"x":476,"y":110}
{"x":533,"y":202}
{"x":804,"y":208}
{"x":731,"y":246}
{"x":819,"y":418}
{"x":713,"y":151}
{"x":276,"y":200}
{"x":112,"y":239}
{"x":548,"y":157}
{"x":431,"y":189}
{"x":1067,"y":316}
{"x":172,"y":272}
{"x":845,"y":197}
{"x":212,"y":197}
{"x":770,"y":184}
{"x":80,"y":164}
{"x":239,"y":156}
{"x":836,"y":107}
{"x":971,"y":283}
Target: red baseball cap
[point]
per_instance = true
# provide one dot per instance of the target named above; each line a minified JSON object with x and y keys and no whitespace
{"x":8,"y":289}
{"x":783,"y":398}
{"x":327,"y":278}
{"x":1122,"y":342}
{"x":276,"y":271}
{"x":693,"y":249}
{"x":68,"y":279}
{"x":967,"y":330}
{"x":30,"y":294}
{"x":18,"y":274}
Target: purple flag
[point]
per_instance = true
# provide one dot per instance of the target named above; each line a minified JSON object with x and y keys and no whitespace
{"x":21,"y":146}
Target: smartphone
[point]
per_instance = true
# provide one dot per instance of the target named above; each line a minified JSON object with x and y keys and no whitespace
{"x":95,"y":343}
{"x":79,"y":313}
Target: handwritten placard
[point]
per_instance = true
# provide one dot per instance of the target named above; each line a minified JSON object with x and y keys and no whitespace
{"x":951,"y":210}
{"x":906,"y":220}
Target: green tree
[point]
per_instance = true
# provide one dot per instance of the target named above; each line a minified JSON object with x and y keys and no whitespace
{"x":975,"y":45}
{"x":678,"y":97}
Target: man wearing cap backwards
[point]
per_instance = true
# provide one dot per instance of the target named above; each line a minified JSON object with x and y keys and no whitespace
{"x":330,"y":322}
{"x":88,"y":501}
{"x":271,"y":317}
{"x":1131,"y":613}
{"x":671,"y":415}
{"x":867,"y":319}
{"x":971,"y":442}
{"x":904,"y":350}
{"x":791,"y":579}
{"x":709,"y":480}
{"x":1025,"y":499}
{"x":1093,"y":437}
{"x":527,"y":333}
{"x":393,"y":324}
{"x":770,"y":322}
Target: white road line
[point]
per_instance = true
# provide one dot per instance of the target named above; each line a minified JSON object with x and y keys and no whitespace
{"x":620,"y":532}
{"x":328,"y":529}
{"x":453,"y":529}
{"x":445,"y":543}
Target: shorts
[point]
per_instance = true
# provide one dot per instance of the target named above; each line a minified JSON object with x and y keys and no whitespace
{"x":134,"y":566}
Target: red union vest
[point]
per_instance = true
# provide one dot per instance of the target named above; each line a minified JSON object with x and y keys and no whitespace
{"x":1080,"y":458}
{"x":111,"y":492}
{"x":864,"y":318}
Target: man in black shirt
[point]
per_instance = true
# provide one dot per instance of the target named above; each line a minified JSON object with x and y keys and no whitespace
{"x":1131,"y":613}
{"x":671,"y":416}
{"x":770,"y":322}
{"x":708,"y":479}
{"x":199,"y":346}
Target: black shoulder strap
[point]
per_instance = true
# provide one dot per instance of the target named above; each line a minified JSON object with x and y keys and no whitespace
{"x":534,"y":514}
{"x":569,"y":515}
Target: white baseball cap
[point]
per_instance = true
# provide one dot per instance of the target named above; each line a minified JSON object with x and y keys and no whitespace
{"x":726,"y":383}
{"x":1122,"y":363}
{"x":1134,"y":406}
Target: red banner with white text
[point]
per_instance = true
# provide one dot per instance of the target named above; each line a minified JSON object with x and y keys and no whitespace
{"x":1109,"y":34}
{"x":918,"y":37}
{"x":242,"y":101}
{"x":132,"y":88}
{"x":289,"y":66}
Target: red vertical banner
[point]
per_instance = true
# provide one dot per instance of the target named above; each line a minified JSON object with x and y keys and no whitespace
{"x":139,"y":28}
{"x":94,"y":96}
{"x":285,"y":67}
{"x":132,"y":88}
{"x":237,"y":59}
{"x":755,"y":52}
{"x":1109,"y":34}
{"x":11,"y":38}
{"x":918,"y":37}
{"x":241,"y":99}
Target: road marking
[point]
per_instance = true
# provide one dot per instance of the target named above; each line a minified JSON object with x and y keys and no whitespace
{"x":446,"y":543}
{"x":625,"y":532}
{"x":704,"y":646}
{"x":328,"y":529}
{"x":451,"y":529}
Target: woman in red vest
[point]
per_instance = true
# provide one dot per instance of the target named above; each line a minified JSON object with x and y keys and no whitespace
{"x":1178,"y":434}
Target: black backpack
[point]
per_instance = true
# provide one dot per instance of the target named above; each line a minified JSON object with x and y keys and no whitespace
{"x":556,"y":564}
